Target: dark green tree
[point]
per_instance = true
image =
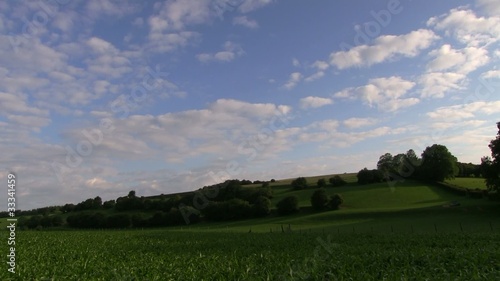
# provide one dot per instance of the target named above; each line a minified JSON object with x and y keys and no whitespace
{"x":438,"y":163}
{"x":385,"y":163}
{"x":491,"y":166}
{"x":262,"y":206}
{"x":337,"y":181}
{"x":319,"y":199}
{"x":321,"y":183}
{"x":335,"y":201}
{"x":288,"y":205}
{"x":299,"y":183}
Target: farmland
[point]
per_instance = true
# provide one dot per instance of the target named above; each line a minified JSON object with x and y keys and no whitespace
{"x":212,"y":255}
{"x":405,"y":231}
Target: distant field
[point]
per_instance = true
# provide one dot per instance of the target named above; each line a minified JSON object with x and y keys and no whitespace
{"x":471,"y":183}
{"x":178,"y":255}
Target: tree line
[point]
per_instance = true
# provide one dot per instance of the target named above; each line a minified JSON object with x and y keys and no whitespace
{"x":435,"y":164}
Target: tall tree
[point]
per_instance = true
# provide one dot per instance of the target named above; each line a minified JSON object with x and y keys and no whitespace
{"x":385,"y":163}
{"x":491,"y":167}
{"x":438,"y":163}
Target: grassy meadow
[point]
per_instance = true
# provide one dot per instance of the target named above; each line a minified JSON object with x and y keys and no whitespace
{"x":408,"y":231}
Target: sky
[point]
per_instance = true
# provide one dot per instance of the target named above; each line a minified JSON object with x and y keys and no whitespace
{"x":101,"y":97}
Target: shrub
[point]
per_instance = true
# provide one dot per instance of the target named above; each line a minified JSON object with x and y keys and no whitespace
{"x":321,"y":183}
{"x":262,"y":206}
{"x":337,"y":181}
{"x":299,"y":183}
{"x":335,"y":201}
{"x":288,"y":205}
{"x":319,"y":199}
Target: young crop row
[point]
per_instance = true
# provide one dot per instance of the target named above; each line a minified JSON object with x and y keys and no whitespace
{"x":176,"y":255}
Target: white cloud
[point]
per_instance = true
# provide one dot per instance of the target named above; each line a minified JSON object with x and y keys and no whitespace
{"x":293,"y":80}
{"x":314,"y":102}
{"x":167,"y":42}
{"x":10,"y":103}
{"x":96,"y":8}
{"x":464,"y":111}
{"x":460,"y":61}
{"x":354,"y":123}
{"x":33,"y":122}
{"x":315,"y":76}
{"x":295,"y":62}
{"x":384,"y":48}
{"x":245,"y":21}
{"x":468,"y":28}
{"x":251,"y":5}
{"x":491,"y":74}
{"x":491,"y":7}
{"x":177,"y":14}
{"x":230,"y":52}
{"x":320,"y":65}
{"x":437,"y":84}
{"x":385,"y":93}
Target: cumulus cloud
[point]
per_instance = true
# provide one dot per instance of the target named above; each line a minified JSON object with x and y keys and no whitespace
{"x":230,"y":51}
{"x":387,"y":94}
{"x":460,"y":61}
{"x":293,"y":80}
{"x":437,"y":84}
{"x":464,"y":111}
{"x":384,"y":48}
{"x":314,"y":102}
{"x":354,"y":123}
{"x":251,"y":5}
{"x":246,"y":22}
{"x":467,"y":27}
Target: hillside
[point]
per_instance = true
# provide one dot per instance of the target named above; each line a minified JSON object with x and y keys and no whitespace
{"x":407,"y":206}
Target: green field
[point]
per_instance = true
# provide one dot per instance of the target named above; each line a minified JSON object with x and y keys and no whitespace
{"x":408,"y":231}
{"x":471,"y":183}
{"x":179,"y":255}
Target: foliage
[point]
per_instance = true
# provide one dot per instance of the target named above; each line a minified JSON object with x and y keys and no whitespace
{"x":399,"y":165}
{"x":491,"y":166}
{"x":232,"y":209}
{"x":319,"y":199}
{"x":336,"y":181}
{"x":262,"y":206}
{"x":299,"y":183}
{"x":366,"y":176}
{"x":288,"y":205}
{"x":438,"y":163}
{"x":335,"y":201}
{"x":321,"y":183}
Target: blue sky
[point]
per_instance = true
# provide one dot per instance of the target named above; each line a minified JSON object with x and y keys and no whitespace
{"x":102,"y":97}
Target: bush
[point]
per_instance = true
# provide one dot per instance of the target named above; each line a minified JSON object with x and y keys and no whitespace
{"x":299,"y":183}
{"x":337,"y":181}
{"x":319,"y":199}
{"x":262,"y":206}
{"x":366,"y":176}
{"x":335,"y":201}
{"x":119,"y":221}
{"x":288,"y":205}
{"x":321,"y":183}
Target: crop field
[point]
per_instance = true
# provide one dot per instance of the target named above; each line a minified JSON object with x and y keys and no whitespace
{"x":180,"y":255}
